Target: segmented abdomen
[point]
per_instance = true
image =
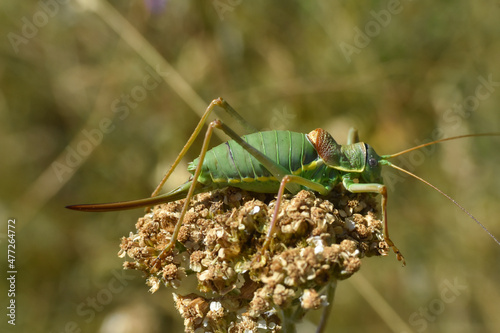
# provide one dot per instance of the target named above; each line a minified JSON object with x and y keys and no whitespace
{"x":230,"y":165}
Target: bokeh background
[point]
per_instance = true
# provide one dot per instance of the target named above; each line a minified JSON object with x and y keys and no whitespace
{"x":84,"y":119}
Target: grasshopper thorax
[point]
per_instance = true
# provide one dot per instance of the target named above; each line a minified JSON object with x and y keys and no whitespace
{"x":356,"y":157}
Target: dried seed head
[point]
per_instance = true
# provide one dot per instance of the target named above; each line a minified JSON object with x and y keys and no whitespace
{"x":318,"y":240}
{"x":311,"y":299}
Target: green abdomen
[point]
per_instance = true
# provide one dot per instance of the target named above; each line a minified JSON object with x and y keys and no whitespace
{"x":230,"y":165}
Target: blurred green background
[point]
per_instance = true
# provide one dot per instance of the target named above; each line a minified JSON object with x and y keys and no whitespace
{"x":84,"y":119}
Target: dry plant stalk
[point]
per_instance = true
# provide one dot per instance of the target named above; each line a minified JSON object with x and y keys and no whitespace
{"x":318,"y":241}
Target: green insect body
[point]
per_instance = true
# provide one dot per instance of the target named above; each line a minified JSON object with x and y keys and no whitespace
{"x":230,"y":165}
{"x":273,"y":161}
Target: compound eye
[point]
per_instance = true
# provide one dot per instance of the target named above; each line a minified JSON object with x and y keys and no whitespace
{"x":372,"y":162}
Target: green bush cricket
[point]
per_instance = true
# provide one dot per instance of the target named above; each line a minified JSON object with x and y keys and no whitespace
{"x":275,"y":161}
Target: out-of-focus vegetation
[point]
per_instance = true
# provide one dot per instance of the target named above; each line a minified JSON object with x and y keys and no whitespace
{"x":84,"y":119}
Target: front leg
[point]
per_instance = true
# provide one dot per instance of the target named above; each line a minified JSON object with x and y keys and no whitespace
{"x":353,"y":187}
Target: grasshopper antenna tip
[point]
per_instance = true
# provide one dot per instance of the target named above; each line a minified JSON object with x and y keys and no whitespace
{"x":449,"y":198}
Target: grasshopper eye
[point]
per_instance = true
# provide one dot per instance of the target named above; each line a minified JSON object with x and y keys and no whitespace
{"x":372,"y":162}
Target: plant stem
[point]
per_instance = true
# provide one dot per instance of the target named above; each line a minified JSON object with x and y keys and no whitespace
{"x":288,"y":320}
{"x":330,"y":294}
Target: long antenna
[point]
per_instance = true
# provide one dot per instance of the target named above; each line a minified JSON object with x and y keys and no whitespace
{"x":437,"y":141}
{"x":385,"y":157}
{"x":437,"y":189}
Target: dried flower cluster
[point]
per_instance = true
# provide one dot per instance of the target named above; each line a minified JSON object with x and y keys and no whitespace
{"x":318,"y":240}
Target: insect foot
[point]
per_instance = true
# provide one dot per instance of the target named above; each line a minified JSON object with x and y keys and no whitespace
{"x":317,"y":242}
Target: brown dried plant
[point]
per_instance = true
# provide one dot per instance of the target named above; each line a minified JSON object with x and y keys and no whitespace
{"x":318,"y":241}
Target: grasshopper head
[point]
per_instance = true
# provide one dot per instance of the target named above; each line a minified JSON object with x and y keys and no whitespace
{"x":373,"y":166}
